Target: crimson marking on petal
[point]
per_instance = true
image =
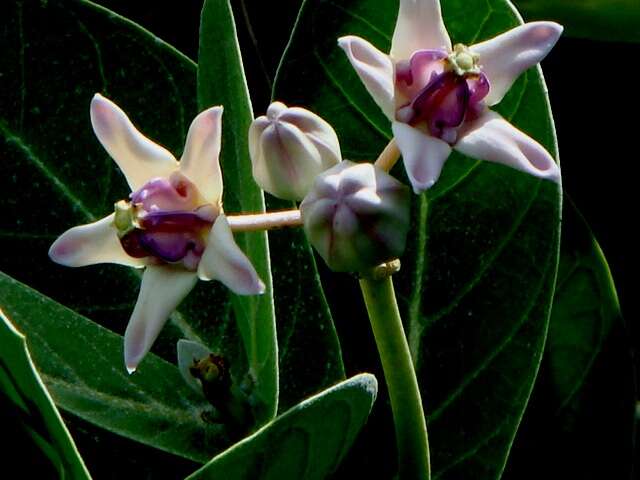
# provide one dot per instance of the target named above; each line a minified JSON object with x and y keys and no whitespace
{"x":172,"y":194}
{"x":479,"y":87}
{"x":173,"y":222}
{"x":171,"y":247}
{"x":442,"y":104}
{"x":131,"y":244}
{"x":403,"y":72}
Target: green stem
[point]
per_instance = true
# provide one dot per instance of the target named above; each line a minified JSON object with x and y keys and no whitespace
{"x":406,"y":404}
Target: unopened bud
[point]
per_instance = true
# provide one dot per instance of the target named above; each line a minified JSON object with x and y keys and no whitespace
{"x":356,"y":216}
{"x":289,"y":148}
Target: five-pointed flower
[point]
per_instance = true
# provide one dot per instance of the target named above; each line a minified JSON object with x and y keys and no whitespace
{"x":438,"y":97}
{"x":172,"y":224}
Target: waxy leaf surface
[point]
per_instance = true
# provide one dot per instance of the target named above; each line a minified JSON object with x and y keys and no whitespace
{"x":23,"y":395}
{"x":79,"y":363}
{"x":307,"y":442}
{"x":308,"y":348}
{"x":221,"y":82}
{"x":477,"y":278}
{"x":583,"y":402}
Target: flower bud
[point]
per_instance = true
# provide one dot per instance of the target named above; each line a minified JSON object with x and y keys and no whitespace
{"x":289,"y":147}
{"x":356,"y":216}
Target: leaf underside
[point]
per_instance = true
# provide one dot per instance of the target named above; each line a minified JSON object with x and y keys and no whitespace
{"x":306,"y":442}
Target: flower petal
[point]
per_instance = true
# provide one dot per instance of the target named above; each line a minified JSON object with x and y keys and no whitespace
{"x":163,"y":288}
{"x":423,"y":155}
{"x":374,"y":69}
{"x":494,"y":139}
{"x":90,"y":244}
{"x":223,"y":260}
{"x":419,"y":27}
{"x":505,"y":57}
{"x":200,"y":158}
{"x":287,"y":163}
{"x":139,"y":158}
{"x":318,"y":131}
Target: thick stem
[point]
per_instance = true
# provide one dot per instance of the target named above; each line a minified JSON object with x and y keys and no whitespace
{"x":406,"y":404}
{"x":264,"y":221}
{"x":389,"y":156}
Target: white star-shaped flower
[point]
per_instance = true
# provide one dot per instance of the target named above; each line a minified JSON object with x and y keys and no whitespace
{"x":438,"y":96}
{"x":172,"y":224}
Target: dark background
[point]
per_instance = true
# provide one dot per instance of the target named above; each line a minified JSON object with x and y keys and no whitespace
{"x":595,"y":105}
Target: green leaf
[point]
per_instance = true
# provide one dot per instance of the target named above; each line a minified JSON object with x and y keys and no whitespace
{"x":79,"y":362}
{"x":309,"y":349}
{"x":305,"y":326}
{"x":609,"y":20}
{"x":221,"y":81}
{"x":584,"y":400}
{"x":477,"y":280}
{"x":306,"y":442}
{"x":585,"y":308}
{"x":22,"y":390}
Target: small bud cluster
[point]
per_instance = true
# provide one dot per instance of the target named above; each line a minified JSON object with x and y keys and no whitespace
{"x":355,"y":215}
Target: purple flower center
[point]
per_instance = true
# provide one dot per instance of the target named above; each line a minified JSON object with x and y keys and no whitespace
{"x":173,"y":222}
{"x":437,"y":97}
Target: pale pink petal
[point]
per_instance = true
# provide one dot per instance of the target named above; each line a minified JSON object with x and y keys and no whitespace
{"x":374,"y":69}
{"x":139,"y":158}
{"x":224,"y":261}
{"x":200,"y":158}
{"x":287,"y":163}
{"x":494,"y":139}
{"x":90,"y":244}
{"x":419,"y":27}
{"x":422,"y":154}
{"x":505,"y":57}
{"x":163,"y":288}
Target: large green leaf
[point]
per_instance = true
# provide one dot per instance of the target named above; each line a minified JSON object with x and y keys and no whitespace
{"x":23,"y":394}
{"x":306,"y":442}
{"x":221,"y":82}
{"x":80,"y":363}
{"x":478,"y":275}
{"x":583,"y":402}
{"x":309,"y":349}
{"x":305,"y":327}
{"x":610,"y":20}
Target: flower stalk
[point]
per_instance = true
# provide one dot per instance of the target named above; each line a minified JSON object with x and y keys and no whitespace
{"x":406,"y":404}
{"x":389,"y":156}
{"x":265,"y":221}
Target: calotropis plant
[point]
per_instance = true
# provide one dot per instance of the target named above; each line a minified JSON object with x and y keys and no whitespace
{"x":173,"y":224}
{"x":438,"y":96}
